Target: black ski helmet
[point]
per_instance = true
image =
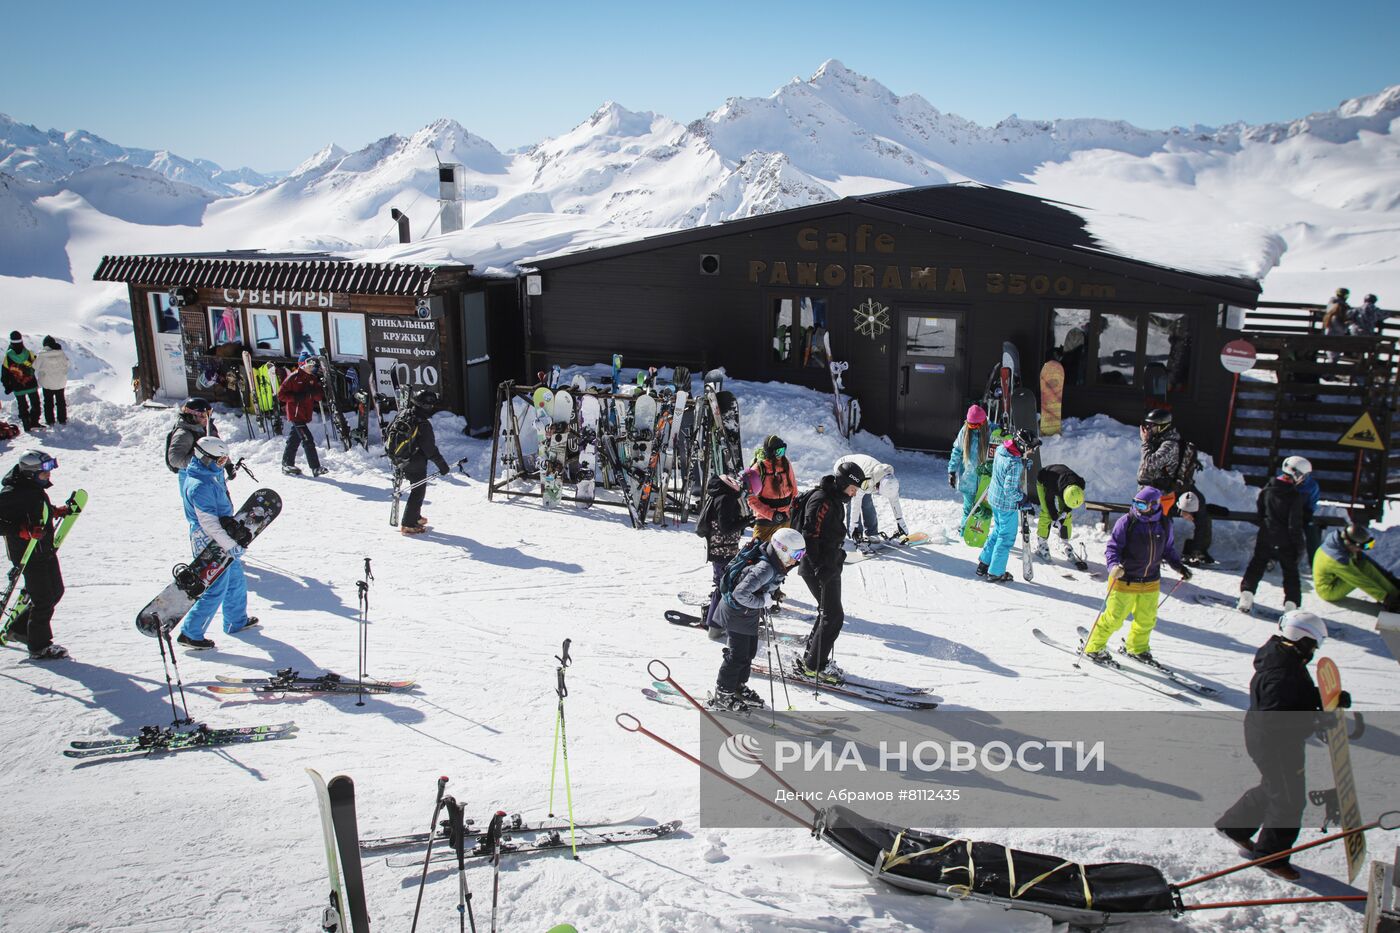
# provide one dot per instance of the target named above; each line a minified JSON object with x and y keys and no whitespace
{"x":196,"y":404}
{"x":1158,"y":419}
{"x":1025,"y":441}
{"x":850,"y":474}
{"x":425,"y":399}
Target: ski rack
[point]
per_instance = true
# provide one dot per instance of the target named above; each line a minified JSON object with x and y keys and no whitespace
{"x":506,"y":394}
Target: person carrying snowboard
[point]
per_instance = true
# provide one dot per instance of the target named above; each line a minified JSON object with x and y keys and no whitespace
{"x":721,"y":522}
{"x":19,"y":381}
{"x":415,"y":445}
{"x":739,"y":615}
{"x":1007,"y":496}
{"x":208,"y":509}
{"x":1277,"y":744}
{"x":299,"y":395}
{"x":1060,"y":491}
{"x":1282,"y":516}
{"x":861,"y":520}
{"x":772,"y":504}
{"x":1341,"y":565}
{"x":1140,"y":543}
{"x":823,"y":526}
{"x":26,"y":517}
{"x":51,"y":370}
{"x":971,"y":448}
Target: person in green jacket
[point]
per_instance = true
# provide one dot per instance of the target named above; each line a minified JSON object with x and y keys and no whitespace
{"x":1342,"y":565}
{"x":19,"y":380}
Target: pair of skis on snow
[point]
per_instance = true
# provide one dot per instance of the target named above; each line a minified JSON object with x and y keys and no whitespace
{"x":290,"y":681}
{"x":1151,"y":675}
{"x":154,"y":739}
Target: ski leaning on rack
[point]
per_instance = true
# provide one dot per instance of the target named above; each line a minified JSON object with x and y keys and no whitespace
{"x":328,"y":374}
{"x":1086,"y":666}
{"x":514,"y":824}
{"x":908,"y":700}
{"x":1156,"y":667}
{"x":550,"y":841}
{"x":158,"y":739}
{"x":288,"y":681}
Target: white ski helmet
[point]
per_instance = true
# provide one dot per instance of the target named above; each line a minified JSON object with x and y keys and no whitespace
{"x":1295,"y":468}
{"x":215,"y":448}
{"x":789,"y":545}
{"x":1190,"y":503}
{"x":1298,"y":624}
{"x":36,"y":461}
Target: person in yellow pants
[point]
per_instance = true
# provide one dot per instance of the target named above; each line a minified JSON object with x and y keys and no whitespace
{"x":1140,"y":543}
{"x":1342,"y":565}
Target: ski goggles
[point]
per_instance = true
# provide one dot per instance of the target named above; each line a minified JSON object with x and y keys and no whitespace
{"x":49,"y":465}
{"x":779,"y":452}
{"x":1146,"y":505}
{"x":798,"y":554}
{"x":1363,"y":545}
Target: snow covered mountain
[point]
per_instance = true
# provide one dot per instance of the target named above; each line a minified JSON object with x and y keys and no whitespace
{"x":49,"y":155}
{"x":1306,"y":205}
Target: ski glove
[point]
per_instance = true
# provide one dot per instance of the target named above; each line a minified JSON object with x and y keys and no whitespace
{"x":1184,"y":571}
{"x":30,"y":533}
{"x":952,"y":481}
{"x":240,"y":535}
{"x":1344,"y":700}
{"x":767,"y":600}
{"x":61,"y":511}
{"x":1027,"y":504}
{"x":1115,"y":572}
{"x":902,"y":528}
{"x":236,"y":551}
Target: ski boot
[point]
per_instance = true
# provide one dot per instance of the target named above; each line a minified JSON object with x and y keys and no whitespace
{"x":251,"y":623}
{"x":320,"y":471}
{"x":1144,"y":657}
{"x":291,"y":470}
{"x":1001,"y":577}
{"x":750,"y":696}
{"x":1198,"y":559}
{"x":197,"y":644}
{"x":832,"y":674}
{"x":1042,"y":551}
{"x":728,"y":701}
{"x":1099,"y":657}
{"x":981,"y":569}
{"x":51,"y":653}
{"x":1246,"y":603}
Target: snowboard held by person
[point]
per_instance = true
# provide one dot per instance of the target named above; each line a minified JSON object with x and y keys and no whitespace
{"x":823,"y":526}
{"x":1140,"y":543}
{"x":739,"y":615}
{"x":971,"y":448}
{"x":299,"y":394}
{"x":423,"y":449}
{"x":26,"y":517}
{"x":1277,"y":743}
{"x":210,"y":513}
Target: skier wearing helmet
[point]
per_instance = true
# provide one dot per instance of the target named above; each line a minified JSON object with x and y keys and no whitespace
{"x":740,"y":613}
{"x":423,"y":403}
{"x":1140,"y":543}
{"x":721,"y":522}
{"x":209,"y":511}
{"x":1283,"y":516}
{"x":823,"y":525}
{"x":971,"y":449}
{"x":1007,"y":496}
{"x":861,"y":521}
{"x":1276,"y":744}
{"x":299,"y":395}
{"x":26,"y":519}
{"x":1342,"y":565}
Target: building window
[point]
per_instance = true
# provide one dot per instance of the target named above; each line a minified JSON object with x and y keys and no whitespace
{"x":307,"y":332}
{"x":167,"y":319}
{"x":348,"y":336}
{"x":1116,"y":355}
{"x":226,"y":326}
{"x":1169,"y":344}
{"x":267,"y":332}
{"x":1069,"y":342}
{"x":931,"y":336}
{"x":799,"y":332}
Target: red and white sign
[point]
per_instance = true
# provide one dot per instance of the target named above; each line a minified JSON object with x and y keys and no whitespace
{"x":1238,"y":356}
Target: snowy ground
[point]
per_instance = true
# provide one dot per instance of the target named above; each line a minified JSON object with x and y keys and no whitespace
{"x":475,"y":611}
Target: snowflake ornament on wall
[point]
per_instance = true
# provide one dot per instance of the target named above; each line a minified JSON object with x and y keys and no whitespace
{"x":872,"y":318}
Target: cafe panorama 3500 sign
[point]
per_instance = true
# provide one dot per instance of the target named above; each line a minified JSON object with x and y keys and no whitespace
{"x":895,"y":277}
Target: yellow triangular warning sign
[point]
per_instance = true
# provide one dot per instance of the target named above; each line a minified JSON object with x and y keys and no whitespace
{"x":1363,"y":433}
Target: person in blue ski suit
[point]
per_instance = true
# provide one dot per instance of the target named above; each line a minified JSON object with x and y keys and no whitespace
{"x":1006,"y":494}
{"x":968,"y":453}
{"x":209,"y":510}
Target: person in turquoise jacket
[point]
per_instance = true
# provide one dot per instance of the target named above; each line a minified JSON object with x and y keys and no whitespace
{"x":1006,"y":494}
{"x":970,"y":450}
{"x":209,"y":510}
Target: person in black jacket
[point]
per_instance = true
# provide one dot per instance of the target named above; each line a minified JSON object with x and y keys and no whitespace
{"x":1276,"y":744}
{"x":823,"y":524}
{"x":415,"y":470}
{"x":721,"y":522}
{"x":26,"y":516}
{"x":1282,"y":518}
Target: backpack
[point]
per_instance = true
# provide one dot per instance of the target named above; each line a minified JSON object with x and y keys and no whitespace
{"x":1186,"y":466}
{"x":401,"y":440}
{"x":797,"y":515}
{"x":748,"y":555}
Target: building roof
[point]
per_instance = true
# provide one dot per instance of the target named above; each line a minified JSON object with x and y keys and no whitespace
{"x":995,"y":216}
{"x":283,"y":271}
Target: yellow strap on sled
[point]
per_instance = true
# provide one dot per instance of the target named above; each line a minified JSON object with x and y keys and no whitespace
{"x":1017,"y":892}
{"x":892,"y":860}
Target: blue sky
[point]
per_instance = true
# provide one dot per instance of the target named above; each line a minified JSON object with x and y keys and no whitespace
{"x":266,"y":84}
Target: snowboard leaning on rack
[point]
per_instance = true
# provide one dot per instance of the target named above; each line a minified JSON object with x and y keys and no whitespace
{"x":191,"y":580}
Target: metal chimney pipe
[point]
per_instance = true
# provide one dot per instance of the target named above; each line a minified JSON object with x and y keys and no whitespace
{"x":402,"y":220}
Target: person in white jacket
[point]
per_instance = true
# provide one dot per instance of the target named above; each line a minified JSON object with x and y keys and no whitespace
{"x":861,"y":521}
{"x":51,"y":369}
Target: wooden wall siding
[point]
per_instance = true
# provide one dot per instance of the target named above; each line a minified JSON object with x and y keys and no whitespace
{"x":655,"y":307}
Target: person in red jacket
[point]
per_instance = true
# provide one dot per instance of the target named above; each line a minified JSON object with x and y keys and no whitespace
{"x":777,"y":490}
{"x":300,"y":393}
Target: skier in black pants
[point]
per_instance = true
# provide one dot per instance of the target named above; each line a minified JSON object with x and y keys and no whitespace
{"x":26,"y":516}
{"x":1282,"y":517}
{"x":1276,"y":744}
{"x":740,"y":613}
{"x":823,"y":525}
{"x":721,"y":522}
{"x":415,"y":469}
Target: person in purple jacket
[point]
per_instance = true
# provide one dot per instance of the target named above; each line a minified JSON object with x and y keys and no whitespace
{"x":1140,"y":542}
